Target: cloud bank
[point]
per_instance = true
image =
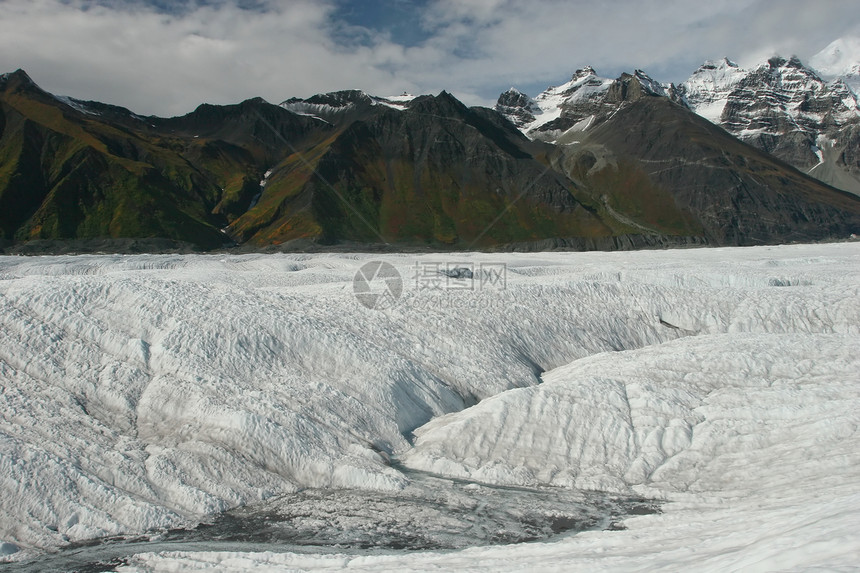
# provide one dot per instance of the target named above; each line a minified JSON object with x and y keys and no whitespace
{"x":165,"y":58}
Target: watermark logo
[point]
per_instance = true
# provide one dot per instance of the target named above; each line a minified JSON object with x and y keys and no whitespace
{"x":377,"y":285}
{"x":438,"y":276}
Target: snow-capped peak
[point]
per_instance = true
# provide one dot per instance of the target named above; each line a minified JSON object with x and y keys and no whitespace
{"x":519,"y":108}
{"x":575,"y":105}
{"x":329,"y":107}
{"x":708,"y":89}
{"x":841,"y":57}
{"x":582,"y":77}
{"x":583,"y":73}
{"x":782,"y":100}
{"x":584,"y":86}
{"x":840,"y":61}
{"x":714,"y":75}
{"x":785,"y":86}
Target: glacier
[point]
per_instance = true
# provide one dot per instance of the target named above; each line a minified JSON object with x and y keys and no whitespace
{"x":144,"y":393}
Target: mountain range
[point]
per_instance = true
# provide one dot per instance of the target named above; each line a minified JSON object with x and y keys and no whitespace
{"x":729,"y":157}
{"x":805,"y":117}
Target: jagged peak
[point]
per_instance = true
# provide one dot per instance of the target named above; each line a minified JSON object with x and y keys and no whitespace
{"x":775,"y":62}
{"x":652,"y":86}
{"x":583,"y":73}
{"x":442,"y":97}
{"x":450,"y":98}
{"x":778,"y":66}
{"x":643,"y":77}
{"x":515,"y":99}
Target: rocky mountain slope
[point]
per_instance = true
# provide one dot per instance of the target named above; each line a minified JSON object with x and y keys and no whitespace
{"x":429,"y":172}
{"x":66,"y":173}
{"x":663,"y":167}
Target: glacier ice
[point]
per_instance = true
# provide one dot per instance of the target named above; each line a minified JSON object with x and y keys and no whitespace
{"x":146,"y":392}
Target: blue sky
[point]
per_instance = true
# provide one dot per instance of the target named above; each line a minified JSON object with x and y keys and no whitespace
{"x":165,"y":57}
{"x":400,"y":19}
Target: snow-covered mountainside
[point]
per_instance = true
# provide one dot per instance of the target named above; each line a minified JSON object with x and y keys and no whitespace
{"x":708,"y":89}
{"x":769,"y":99}
{"x":784,"y":108}
{"x":584,"y":101}
{"x":140,"y":393}
{"x":583,"y":95}
{"x":840,"y":60}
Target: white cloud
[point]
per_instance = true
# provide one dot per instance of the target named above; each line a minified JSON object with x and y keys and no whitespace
{"x":168,"y":64}
{"x":533,"y":40}
{"x":152,"y":62}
